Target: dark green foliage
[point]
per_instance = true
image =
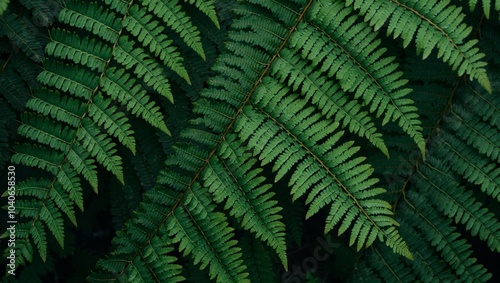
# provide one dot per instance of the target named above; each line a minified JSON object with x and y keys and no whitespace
{"x":226,"y":139}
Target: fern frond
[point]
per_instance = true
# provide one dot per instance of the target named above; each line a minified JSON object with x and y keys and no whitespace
{"x":390,"y":268}
{"x":114,"y":122}
{"x":258,"y":260}
{"x":100,"y":147}
{"x":486,"y":4}
{"x":22,"y":33}
{"x":43,"y":11}
{"x":433,"y":25}
{"x":144,"y":67}
{"x":46,"y":132}
{"x":357,"y":64}
{"x":51,"y":216}
{"x":476,"y":169}
{"x":152,"y":36}
{"x":28,"y":71}
{"x":426,"y":264}
{"x":207,"y":7}
{"x":37,"y":156}
{"x":446,"y":194}
{"x":66,"y":78}
{"x":85,"y":51}
{"x":121,"y":87}
{"x":320,"y":168}
{"x":482,"y":136}
{"x":292,"y":121}
{"x":92,"y":18}
{"x":230,"y":177}
{"x":441,"y":235}
{"x":64,"y":202}
{"x":71,"y":184}
{"x":328,"y":97}
{"x":172,"y":15}
{"x":40,"y":239}
{"x":155,"y":257}
{"x":14,"y":89}
{"x":482,"y":105}
{"x":205,"y":234}
{"x":61,"y":108}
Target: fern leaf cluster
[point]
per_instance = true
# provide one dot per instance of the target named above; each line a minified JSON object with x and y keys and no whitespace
{"x":74,"y":118}
{"x":443,"y":193}
{"x":432,"y":25}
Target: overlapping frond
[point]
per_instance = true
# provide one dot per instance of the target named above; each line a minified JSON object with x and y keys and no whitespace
{"x":293,"y":120}
{"x":433,"y":25}
{"x":332,"y":42}
{"x":297,"y":142}
{"x":44,"y":11}
{"x":96,"y":69}
{"x":443,"y":200}
{"x":23,"y":34}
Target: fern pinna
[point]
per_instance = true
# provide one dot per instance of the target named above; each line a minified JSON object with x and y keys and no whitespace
{"x":306,"y":109}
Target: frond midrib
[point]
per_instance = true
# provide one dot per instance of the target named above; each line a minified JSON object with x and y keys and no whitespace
{"x":435,"y":128}
{"x":224,"y":134}
{"x":325,"y":167}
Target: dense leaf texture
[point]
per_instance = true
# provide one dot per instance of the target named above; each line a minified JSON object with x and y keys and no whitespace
{"x":79,"y":111}
{"x":226,"y":124}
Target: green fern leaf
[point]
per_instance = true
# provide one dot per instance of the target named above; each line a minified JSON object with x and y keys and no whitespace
{"x":433,"y":25}
{"x":486,"y":6}
{"x":64,"y":203}
{"x":475,"y":169}
{"x":78,"y":82}
{"x":457,"y":203}
{"x":441,"y":235}
{"x":22,"y":33}
{"x":52,"y":218}
{"x":259,"y":261}
{"x":207,"y":7}
{"x":83,"y":164}
{"x":371,"y":77}
{"x":143,"y":66}
{"x":71,"y":184}
{"x":37,"y":156}
{"x":46,"y":132}
{"x":483,"y":137}
{"x":61,"y":108}
{"x":115,"y":123}
{"x":327,"y":96}
{"x":43,"y":11}
{"x":247,"y":198}
{"x":152,"y":36}
{"x":91,"y":17}
{"x":101,"y":148}
{"x":319,"y":175}
{"x":206,"y":241}
{"x":308,"y":94}
{"x":40,"y":240}
{"x":171,"y":13}
{"x":88,"y":52}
